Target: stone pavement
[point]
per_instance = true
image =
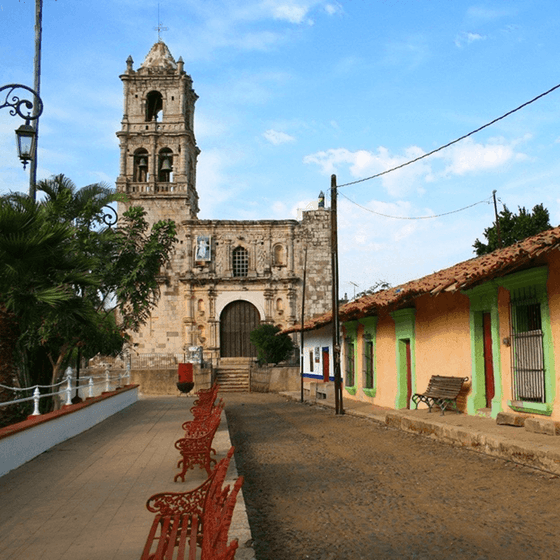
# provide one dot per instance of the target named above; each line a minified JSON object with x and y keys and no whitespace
{"x":476,"y":433}
{"x":84,"y":499}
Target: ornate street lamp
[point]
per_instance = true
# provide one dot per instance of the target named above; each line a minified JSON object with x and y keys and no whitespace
{"x":25,"y":134}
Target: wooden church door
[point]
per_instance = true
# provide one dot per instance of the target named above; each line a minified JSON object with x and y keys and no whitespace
{"x":237,"y":321}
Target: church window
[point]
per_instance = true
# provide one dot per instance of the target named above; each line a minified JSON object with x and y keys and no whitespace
{"x":140,"y":172}
{"x":165,"y":165}
{"x":154,"y":105}
{"x":240,"y":262}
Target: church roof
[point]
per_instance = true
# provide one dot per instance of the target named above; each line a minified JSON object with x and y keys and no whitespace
{"x":159,"y":57}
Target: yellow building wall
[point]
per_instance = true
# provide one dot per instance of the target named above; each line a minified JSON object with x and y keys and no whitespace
{"x":443,"y":343}
{"x":443,"y":346}
{"x":385,"y":363}
{"x":553,"y":290}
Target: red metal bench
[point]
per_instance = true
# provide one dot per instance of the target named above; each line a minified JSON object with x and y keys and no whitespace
{"x":205,"y":395}
{"x":196,"y":446}
{"x":201,"y":417}
{"x":198,"y":518}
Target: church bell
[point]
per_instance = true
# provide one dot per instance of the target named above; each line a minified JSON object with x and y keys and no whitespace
{"x":166,"y":165}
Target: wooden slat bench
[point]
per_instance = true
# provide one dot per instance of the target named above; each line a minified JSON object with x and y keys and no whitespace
{"x":198,"y":518}
{"x":442,"y":391}
{"x":196,"y":446}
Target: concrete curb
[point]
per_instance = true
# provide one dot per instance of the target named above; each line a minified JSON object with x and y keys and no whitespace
{"x":519,"y":446}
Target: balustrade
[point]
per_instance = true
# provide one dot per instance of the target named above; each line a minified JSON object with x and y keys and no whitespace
{"x":65,"y":388}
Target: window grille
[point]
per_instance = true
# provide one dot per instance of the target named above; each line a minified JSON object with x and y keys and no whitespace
{"x":368,"y":364}
{"x":240,"y":262}
{"x":527,"y":356}
{"x":350,"y":363}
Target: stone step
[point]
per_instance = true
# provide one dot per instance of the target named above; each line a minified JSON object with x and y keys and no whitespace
{"x":231,"y":380}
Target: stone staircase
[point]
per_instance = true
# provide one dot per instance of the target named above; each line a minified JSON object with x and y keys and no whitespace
{"x":232,"y":374}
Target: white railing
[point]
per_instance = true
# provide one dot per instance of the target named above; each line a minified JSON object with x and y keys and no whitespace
{"x":67,"y":386}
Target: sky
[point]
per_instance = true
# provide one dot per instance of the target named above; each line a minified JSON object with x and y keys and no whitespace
{"x":292,"y":91}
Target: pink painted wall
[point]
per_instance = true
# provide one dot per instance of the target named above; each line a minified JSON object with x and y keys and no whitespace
{"x":553,"y":289}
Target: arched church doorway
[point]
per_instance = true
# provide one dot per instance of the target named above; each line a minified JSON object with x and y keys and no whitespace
{"x":237,"y":321}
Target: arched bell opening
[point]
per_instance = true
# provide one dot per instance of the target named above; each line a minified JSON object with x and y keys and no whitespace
{"x":154,"y":106}
{"x":140,"y":173}
{"x":165,"y":165}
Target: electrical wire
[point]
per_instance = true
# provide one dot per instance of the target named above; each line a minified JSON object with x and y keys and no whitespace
{"x":486,"y":200}
{"x":451,"y":143}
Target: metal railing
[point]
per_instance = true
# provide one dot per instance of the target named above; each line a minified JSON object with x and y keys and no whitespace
{"x":66,"y":388}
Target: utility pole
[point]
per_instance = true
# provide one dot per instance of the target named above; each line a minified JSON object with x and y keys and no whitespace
{"x":339,"y":409}
{"x":37,"y":88}
{"x":497,"y":220}
{"x":303,"y":318}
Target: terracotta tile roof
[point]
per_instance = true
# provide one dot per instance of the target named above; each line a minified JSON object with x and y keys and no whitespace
{"x":466,"y":274}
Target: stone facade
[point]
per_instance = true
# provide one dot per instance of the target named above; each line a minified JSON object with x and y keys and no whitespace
{"x":223,"y":274}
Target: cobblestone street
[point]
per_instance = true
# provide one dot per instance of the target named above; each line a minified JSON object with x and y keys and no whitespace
{"x":326,"y":487}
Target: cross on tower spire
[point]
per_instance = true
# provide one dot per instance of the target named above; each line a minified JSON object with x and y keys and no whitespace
{"x":159,"y":27}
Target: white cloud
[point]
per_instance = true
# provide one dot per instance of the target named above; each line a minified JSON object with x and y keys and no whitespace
{"x":276,"y":137}
{"x":469,"y":157}
{"x":292,"y":13}
{"x":466,"y":38}
{"x":459,"y":159}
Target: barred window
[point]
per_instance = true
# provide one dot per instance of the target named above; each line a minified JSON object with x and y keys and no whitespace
{"x":368,"y":364}
{"x":350,"y":363}
{"x":527,"y":346}
{"x":240,"y":262}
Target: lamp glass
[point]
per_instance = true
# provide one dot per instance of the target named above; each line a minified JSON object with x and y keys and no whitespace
{"x":25,"y":136}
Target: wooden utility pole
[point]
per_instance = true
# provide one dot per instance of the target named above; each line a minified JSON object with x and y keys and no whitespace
{"x":339,"y":409}
{"x":303,"y":318}
{"x":497,"y":220}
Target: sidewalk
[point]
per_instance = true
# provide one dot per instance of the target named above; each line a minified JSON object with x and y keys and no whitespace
{"x":476,"y":433}
{"x":84,"y":499}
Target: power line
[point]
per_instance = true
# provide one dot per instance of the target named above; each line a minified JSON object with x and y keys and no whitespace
{"x":486,"y":200}
{"x":453,"y":142}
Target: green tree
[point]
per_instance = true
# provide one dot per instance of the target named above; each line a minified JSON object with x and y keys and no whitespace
{"x":513,"y":228}
{"x":271,"y":346}
{"x":66,"y":277}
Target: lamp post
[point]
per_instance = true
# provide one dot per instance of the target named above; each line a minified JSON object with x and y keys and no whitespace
{"x":25,"y":134}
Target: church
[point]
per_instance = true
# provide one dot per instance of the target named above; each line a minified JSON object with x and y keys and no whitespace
{"x":225,"y":277}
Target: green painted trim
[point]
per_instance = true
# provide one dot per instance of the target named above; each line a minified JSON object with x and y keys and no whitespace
{"x":404,"y":329}
{"x":534,"y":408}
{"x":351,"y":328}
{"x":524,"y":279}
{"x":538,"y":277}
{"x":484,"y":299}
{"x":370,"y":328}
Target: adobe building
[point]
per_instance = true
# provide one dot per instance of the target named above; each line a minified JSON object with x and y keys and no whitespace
{"x":225,"y":277}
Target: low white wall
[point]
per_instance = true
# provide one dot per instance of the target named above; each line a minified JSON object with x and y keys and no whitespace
{"x":24,"y":444}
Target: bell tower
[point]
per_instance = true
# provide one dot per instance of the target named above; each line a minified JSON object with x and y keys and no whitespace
{"x":158,"y":151}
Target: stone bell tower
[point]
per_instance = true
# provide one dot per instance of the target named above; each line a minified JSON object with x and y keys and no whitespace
{"x":157,"y":143}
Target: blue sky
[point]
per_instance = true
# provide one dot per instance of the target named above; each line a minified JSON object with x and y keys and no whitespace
{"x":291,"y":91}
